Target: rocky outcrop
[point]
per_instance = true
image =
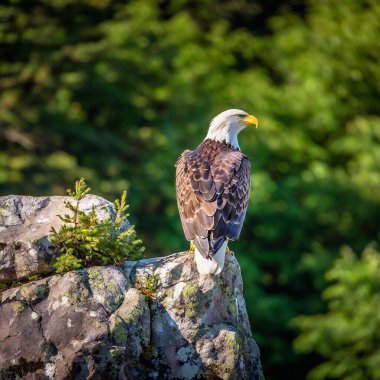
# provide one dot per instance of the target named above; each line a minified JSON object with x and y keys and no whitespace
{"x":150,"y":319}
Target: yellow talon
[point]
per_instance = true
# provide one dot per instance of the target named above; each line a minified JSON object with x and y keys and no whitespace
{"x":192,"y":247}
{"x":229,"y":252}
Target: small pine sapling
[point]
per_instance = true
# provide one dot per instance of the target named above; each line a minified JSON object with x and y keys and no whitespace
{"x":85,"y":241}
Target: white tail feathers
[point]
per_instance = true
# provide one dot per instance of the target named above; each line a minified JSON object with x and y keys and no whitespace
{"x":215,"y":264}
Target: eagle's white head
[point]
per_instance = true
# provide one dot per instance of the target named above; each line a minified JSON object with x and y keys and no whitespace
{"x":227,"y":125}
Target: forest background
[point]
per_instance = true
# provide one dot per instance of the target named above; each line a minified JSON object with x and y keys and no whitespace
{"x":114,"y":91}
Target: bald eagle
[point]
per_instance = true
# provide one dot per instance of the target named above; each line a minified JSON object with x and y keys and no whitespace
{"x":213,"y":184}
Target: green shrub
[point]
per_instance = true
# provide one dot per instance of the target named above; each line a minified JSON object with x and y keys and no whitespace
{"x":85,"y":241}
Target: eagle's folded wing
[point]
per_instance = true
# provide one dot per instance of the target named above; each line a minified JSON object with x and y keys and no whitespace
{"x":212,"y":196}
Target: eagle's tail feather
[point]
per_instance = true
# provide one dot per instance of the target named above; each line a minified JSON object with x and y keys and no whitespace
{"x":208,"y":247}
{"x":214,"y":263}
{"x":203,"y":247}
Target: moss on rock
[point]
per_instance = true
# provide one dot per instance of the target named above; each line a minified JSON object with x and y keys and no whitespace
{"x":192,"y":298}
{"x":18,"y":307}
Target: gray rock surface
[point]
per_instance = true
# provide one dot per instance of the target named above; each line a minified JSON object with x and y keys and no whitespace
{"x":25,"y":223}
{"x":150,"y":319}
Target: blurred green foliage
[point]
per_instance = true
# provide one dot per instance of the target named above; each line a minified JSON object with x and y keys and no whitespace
{"x":114,"y":91}
{"x":348,"y":334}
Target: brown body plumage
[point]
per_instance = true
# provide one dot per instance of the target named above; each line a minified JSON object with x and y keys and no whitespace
{"x":213,"y":187}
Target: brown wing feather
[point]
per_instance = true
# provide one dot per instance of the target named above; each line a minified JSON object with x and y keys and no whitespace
{"x":213,"y":186}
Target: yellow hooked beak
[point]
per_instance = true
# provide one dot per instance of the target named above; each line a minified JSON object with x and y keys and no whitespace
{"x":250,"y":120}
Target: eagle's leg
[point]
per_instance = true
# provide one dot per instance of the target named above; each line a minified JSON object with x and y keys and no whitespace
{"x":192,"y":247}
{"x":229,"y":252}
